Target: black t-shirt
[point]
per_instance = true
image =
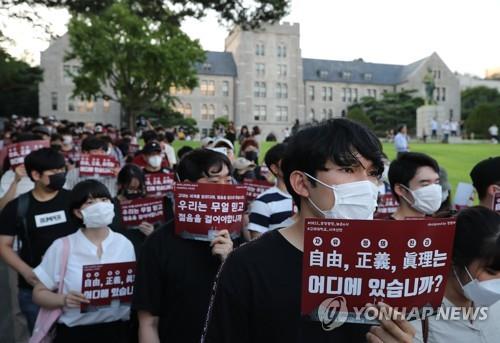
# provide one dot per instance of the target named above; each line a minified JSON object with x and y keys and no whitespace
{"x":46,"y":222}
{"x":258,"y":296}
{"x":174,"y":281}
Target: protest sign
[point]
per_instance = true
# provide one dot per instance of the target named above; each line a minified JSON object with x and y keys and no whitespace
{"x":255,"y":188}
{"x":201,"y":209}
{"x":108,"y":284}
{"x":158,"y":184}
{"x":402,"y":263}
{"x":387,"y":205}
{"x":18,"y":151}
{"x":496,"y":202}
{"x":133,"y":212}
{"x":102,"y":165}
{"x":464,"y":196}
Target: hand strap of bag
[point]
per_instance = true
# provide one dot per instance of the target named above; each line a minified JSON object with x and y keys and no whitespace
{"x":64,"y":264}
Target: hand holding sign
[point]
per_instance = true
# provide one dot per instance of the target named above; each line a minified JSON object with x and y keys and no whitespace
{"x":393,"y":327}
{"x":222,"y":245}
{"x":75,"y":299}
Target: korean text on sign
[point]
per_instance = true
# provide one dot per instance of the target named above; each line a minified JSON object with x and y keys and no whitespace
{"x":103,"y":165}
{"x":402,"y":263}
{"x":134,"y":212}
{"x":159,"y":183}
{"x":107,"y":284}
{"x":255,"y":188}
{"x":201,"y":209}
{"x":18,"y":151}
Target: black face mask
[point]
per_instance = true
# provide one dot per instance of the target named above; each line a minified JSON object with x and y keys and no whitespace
{"x":252,"y":156}
{"x":57,"y":181}
{"x":131,"y":195}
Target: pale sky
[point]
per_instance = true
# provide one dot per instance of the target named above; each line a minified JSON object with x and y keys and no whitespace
{"x":464,"y":33}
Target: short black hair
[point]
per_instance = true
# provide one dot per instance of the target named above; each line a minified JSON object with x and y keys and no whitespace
{"x":477,"y":237}
{"x":42,"y":160}
{"x":149,"y":135}
{"x":197,"y":163}
{"x":404,"y":168}
{"x":85,"y":190}
{"x":93,"y":143}
{"x":128,"y":173}
{"x":184,"y":150}
{"x":337,"y":140}
{"x":25,"y":137}
{"x":485,"y":174}
{"x":169,"y":136}
{"x":275,"y":154}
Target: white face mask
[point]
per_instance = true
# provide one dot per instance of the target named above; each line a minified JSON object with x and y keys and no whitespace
{"x":427,"y":199}
{"x":155,"y":161}
{"x":98,"y":215}
{"x":354,"y":200}
{"x":481,"y":293}
{"x":67,"y":140}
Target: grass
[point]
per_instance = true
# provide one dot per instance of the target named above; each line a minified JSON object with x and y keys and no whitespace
{"x":457,"y":159}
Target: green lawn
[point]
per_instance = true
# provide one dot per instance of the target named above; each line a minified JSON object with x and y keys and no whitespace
{"x":457,"y":159}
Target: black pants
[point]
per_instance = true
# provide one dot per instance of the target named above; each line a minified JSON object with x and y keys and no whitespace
{"x":113,"y":332}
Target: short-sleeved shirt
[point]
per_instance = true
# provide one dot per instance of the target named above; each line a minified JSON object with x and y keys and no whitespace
{"x":478,"y":331}
{"x":46,"y":221}
{"x":174,"y":282}
{"x":115,"y":249}
{"x":272,"y":209}
{"x":23,"y":186}
{"x":257,"y":299}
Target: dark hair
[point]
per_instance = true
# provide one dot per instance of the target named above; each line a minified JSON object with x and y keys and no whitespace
{"x":404,"y":168}
{"x":149,"y":135}
{"x":56,"y":137}
{"x":197,"y":163}
{"x":93,"y":143}
{"x":128,"y":173}
{"x":42,"y":160}
{"x":85,"y":190}
{"x":169,"y":136}
{"x":401,"y":127}
{"x":477,"y":236}
{"x":485,"y":174}
{"x":275,"y":154}
{"x":337,"y":140}
{"x":183,"y":151}
{"x":25,"y":137}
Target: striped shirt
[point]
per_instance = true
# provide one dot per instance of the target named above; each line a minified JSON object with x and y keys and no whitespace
{"x":271,"y":210}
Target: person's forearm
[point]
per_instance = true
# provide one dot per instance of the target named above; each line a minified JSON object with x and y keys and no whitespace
{"x":48,"y":299}
{"x":148,"y":333}
{"x":13,"y":260}
{"x":9,"y":195}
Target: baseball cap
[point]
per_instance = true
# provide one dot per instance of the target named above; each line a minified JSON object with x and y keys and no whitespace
{"x":223,"y":143}
{"x":151,"y":147}
{"x":207,"y":142}
{"x":242,"y":165}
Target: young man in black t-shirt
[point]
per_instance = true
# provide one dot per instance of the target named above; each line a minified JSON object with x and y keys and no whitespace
{"x":44,"y":219}
{"x":331,"y":171}
{"x":175,"y":275}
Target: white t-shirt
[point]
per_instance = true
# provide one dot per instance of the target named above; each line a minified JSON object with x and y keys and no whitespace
{"x":170,"y":152}
{"x":115,"y":248}
{"x":23,"y":186}
{"x":479,"y":331}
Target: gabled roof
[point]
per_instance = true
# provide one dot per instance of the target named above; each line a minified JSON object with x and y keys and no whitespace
{"x":217,"y":63}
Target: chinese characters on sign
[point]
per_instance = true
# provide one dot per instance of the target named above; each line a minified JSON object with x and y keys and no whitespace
{"x":255,"y":188}
{"x":105,"y":284}
{"x":102,"y":165}
{"x":18,"y":151}
{"x":201,"y":209}
{"x":158,"y":184}
{"x":402,"y":263}
{"x":134,"y":212}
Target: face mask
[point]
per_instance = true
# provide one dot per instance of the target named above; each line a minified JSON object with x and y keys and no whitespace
{"x":57,"y":181}
{"x":481,"y":293}
{"x":155,"y":161}
{"x":99,"y":214}
{"x":252,"y":156}
{"x":354,"y":200}
{"x":67,"y":140}
{"x":427,"y":199}
{"x":132,"y":195}
{"x":385,"y":174}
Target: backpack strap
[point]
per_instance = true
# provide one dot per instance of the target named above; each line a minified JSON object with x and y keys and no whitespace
{"x":64,"y":264}
{"x":23,"y":203}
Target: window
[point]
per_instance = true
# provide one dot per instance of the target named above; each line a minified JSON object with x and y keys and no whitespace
{"x":260,"y":69}
{"x":349,"y":94}
{"x":225,"y":111}
{"x":330,"y":93}
{"x":204,"y":87}
{"x":355,"y":94}
{"x":225,"y":88}
{"x":443,"y":94}
{"x":282,"y":70}
{"x":260,"y":89}
{"x":323,"y":74}
{"x":211,"y":88}
{"x":188,"y":111}
{"x":344,"y":94}
{"x":53,"y":101}
{"x":311,"y":92}
{"x":323,"y":93}
{"x":71,"y":104}
{"x":281,"y":90}
{"x":311,"y":114}
{"x":436,"y":74}
{"x":281,"y":52}
{"x":330,"y":113}
{"x":260,"y":113}
{"x":438,"y":93}
{"x":105,"y":104}
{"x":259,"y":49}
{"x":207,"y":67}
{"x":85,"y":105}
{"x":204,"y":112}
{"x":372,"y":93}
{"x":346,"y":75}
{"x":211,"y":112}
{"x":367,"y":76}
{"x":342,"y":114}
{"x":324,"y":114}
{"x":282,"y":113}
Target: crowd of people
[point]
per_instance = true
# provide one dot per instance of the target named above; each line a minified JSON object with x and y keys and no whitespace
{"x":55,"y":220}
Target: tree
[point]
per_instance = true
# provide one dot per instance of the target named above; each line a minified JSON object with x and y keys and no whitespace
{"x":220,"y":121}
{"x":482,"y":117}
{"x":131,"y":59}
{"x":392,"y":110}
{"x":358,"y":115}
{"x":473,"y":97}
{"x":18,"y":86}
